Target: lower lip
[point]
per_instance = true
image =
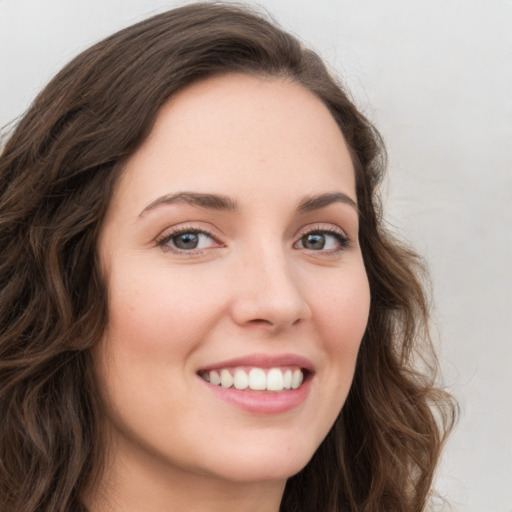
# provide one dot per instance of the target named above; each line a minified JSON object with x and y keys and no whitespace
{"x":262,"y":402}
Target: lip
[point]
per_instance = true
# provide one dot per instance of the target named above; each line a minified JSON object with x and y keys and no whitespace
{"x":262,"y":402}
{"x":262,"y":361}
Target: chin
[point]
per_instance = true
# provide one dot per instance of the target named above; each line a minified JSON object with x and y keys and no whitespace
{"x":265,"y":465}
{"x":262,"y":472}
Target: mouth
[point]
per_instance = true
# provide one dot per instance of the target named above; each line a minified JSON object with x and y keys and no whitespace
{"x":261,"y":384}
{"x":276,"y":379}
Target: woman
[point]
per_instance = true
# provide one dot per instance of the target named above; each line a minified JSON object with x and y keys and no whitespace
{"x":200,"y":306}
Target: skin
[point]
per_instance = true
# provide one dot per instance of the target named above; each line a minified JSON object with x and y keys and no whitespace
{"x":254,"y":286}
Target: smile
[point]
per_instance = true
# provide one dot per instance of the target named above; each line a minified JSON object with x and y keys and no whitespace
{"x":256,"y":379}
{"x":260,"y":383}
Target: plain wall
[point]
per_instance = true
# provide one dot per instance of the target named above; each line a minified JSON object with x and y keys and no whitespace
{"x":436,"y":78}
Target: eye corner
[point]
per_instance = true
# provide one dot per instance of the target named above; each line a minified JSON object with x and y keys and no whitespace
{"x":194,"y":241}
{"x":325,"y":240}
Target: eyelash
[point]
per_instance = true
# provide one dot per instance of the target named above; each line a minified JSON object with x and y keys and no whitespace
{"x":342,"y":239}
{"x":163,"y":241}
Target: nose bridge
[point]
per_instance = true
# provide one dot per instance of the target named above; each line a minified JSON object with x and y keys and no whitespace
{"x":268,"y":290}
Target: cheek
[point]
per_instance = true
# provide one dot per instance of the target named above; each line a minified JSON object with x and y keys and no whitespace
{"x":154,"y":325}
{"x":342,"y":307}
{"x":341,"y":313}
{"x":160,"y":315}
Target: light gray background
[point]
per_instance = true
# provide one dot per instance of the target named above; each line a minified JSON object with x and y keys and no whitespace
{"x":436,"y":78}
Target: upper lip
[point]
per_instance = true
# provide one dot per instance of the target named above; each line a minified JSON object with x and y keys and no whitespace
{"x":262,"y":361}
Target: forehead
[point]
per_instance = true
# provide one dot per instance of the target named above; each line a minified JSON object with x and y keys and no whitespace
{"x":237,"y":133}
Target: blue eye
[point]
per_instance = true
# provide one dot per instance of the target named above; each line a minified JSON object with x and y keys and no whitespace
{"x":323,"y":241}
{"x":190,"y":240}
{"x":187,"y":240}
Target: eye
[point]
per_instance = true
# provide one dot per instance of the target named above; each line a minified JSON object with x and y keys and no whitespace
{"x":187,"y":240}
{"x":323,"y":240}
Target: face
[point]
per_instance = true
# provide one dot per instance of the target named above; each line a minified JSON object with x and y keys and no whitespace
{"x":237,"y":291}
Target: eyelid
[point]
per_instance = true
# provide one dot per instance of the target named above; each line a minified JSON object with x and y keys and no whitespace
{"x":321,"y":227}
{"x":169,"y":233}
{"x":330,"y":229}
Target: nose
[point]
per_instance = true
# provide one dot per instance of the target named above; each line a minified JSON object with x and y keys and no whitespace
{"x":268,"y":293}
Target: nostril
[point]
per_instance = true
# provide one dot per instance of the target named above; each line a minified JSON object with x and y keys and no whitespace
{"x":261,"y":321}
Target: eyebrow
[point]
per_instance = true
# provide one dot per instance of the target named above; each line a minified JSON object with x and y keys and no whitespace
{"x":222,"y":202}
{"x":209,"y":201}
{"x":311,"y":203}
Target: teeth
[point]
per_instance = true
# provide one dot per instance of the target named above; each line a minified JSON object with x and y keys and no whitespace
{"x":297,"y":379}
{"x":275,"y":380}
{"x":226,"y":380}
{"x":257,"y":379}
{"x":287,"y":380}
{"x":241,"y":380}
{"x":215,"y":378}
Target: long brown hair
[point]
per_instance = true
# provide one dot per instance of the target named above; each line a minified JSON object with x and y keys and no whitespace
{"x":57,"y":174}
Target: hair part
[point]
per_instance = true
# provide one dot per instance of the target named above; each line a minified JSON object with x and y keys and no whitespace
{"x":58,"y":171}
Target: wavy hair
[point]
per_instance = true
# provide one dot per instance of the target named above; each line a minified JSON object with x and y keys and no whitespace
{"x":58,"y":171}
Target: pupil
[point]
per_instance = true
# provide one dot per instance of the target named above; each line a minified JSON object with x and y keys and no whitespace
{"x":314,"y":241}
{"x":187,"y":241}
